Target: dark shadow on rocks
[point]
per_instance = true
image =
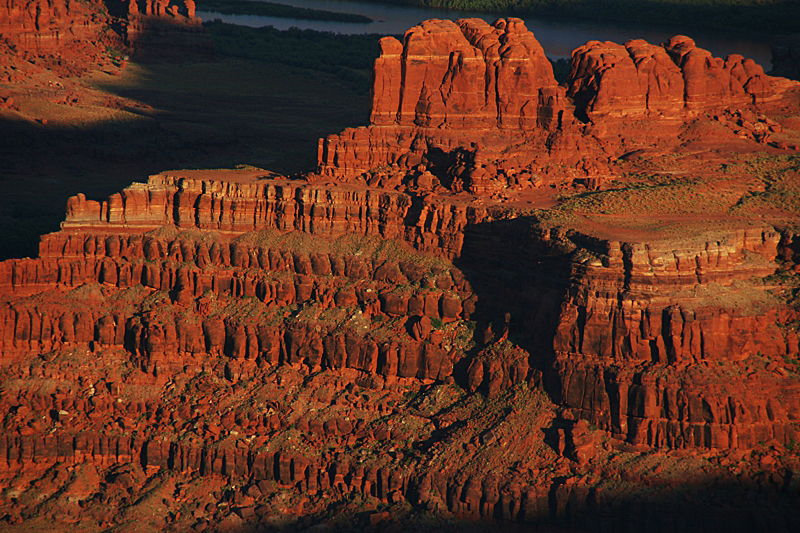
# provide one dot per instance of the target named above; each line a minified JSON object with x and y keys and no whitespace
{"x":617,"y":506}
{"x":160,"y":116}
{"x":521,"y":276}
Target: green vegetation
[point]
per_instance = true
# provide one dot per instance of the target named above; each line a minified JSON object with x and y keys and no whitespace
{"x":765,"y":16}
{"x":781,"y":190}
{"x":268,"y":9}
{"x":349,"y":57}
{"x":639,"y":198}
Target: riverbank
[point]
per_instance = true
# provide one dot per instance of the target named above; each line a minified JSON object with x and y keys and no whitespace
{"x":558,"y":37}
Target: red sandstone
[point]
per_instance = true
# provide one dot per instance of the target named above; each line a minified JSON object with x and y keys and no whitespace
{"x":296,"y":339}
{"x":477,"y":93}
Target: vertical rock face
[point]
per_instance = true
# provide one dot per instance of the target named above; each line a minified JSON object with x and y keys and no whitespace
{"x":450,"y":88}
{"x":651,"y":342}
{"x":665,"y":367}
{"x":608,"y":79}
{"x":76,"y":32}
{"x":50,"y":26}
{"x":714,"y":83}
{"x":289,"y":343}
{"x":186,"y":200}
{"x":466,"y":87}
{"x":462,"y":75}
{"x":386,"y":83}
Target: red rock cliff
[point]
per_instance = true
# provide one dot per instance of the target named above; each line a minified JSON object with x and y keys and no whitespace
{"x":464,"y":75}
{"x":74,"y":34}
{"x":487,"y":92}
{"x":608,"y":315}
{"x":49,"y":27}
{"x":239,"y":330}
{"x":221,"y":350}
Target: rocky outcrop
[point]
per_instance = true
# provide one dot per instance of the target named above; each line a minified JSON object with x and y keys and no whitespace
{"x":671,"y":81}
{"x":464,"y":75}
{"x":284,"y":337}
{"x":227,"y":350}
{"x":159,"y":30}
{"x":543,"y":501}
{"x":667,"y":344}
{"x":71,"y":36}
{"x":672,"y":277}
{"x":608,"y":315}
{"x":253,"y":203}
{"x":467,"y":100}
{"x":54,"y":28}
{"x":239,"y":448}
{"x":628,"y":80}
{"x":449,"y":89}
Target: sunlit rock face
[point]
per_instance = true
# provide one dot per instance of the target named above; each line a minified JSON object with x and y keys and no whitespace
{"x":621,"y":327}
{"x":474,"y":92}
{"x":70,"y":30}
{"x":73,"y":36}
{"x":234,"y":350}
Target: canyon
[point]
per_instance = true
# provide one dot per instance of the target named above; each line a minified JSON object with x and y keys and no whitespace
{"x":505,"y":303}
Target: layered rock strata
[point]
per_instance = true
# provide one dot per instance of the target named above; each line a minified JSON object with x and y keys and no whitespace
{"x":52,"y":27}
{"x":248,"y":348}
{"x":621,"y":329}
{"x":231,"y":207}
{"x":258,"y":470}
{"x":467,"y":99}
{"x":662,"y":362}
{"x":654,"y":342}
{"x":73,"y":35}
{"x":310,"y":308}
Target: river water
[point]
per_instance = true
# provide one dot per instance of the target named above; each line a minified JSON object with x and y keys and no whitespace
{"x":558,"y":38}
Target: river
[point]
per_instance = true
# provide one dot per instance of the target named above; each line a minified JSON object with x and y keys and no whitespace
{"x":558,"y":38}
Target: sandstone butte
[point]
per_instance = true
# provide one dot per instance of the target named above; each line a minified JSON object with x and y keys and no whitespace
{"x":422,"y":327}
{"x":486,"y":95}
